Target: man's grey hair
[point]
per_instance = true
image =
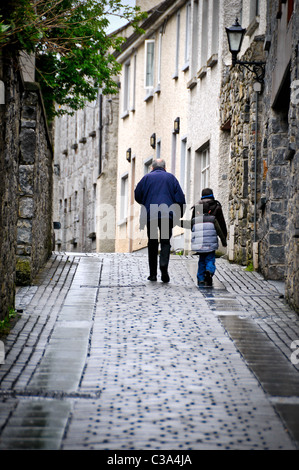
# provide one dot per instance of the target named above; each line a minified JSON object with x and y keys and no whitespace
{"x":158,"y":163}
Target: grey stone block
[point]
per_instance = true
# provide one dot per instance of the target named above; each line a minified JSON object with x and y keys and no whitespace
{"x":27,"y":145}
{"x":26,"y":207}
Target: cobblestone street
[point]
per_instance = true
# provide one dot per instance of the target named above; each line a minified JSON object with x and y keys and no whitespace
{"x":102,"y":359}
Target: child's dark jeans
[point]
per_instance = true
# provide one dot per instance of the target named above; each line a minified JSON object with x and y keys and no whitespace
{"x":206,"y":262}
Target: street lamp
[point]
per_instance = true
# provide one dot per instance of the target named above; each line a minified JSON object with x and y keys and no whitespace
{"x":153,"y":140}
{"x":128,"y":155}
{"x":235,"y":36}
{"x":176,"y":125}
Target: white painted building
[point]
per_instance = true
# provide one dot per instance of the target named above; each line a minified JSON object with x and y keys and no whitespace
{"x":153,"y":95}
{"x":175,"y":71}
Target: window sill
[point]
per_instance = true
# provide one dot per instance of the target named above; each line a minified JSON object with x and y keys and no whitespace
{"x":253,"y":26}
{"x":185,"y":67}
{"x":202,"y":72}
{"x":122,"y":222}
{"x":149,"y":96}
{"x":124,"y":115}
{"x":212,"y":60}
{"x":192,"y":83}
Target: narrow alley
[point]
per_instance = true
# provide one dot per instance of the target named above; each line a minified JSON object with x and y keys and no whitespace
{"x":102,"y":359}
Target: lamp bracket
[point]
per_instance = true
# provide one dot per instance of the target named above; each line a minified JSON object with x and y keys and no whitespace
{"x":258,"y":68}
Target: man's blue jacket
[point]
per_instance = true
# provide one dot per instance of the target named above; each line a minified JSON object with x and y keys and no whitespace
{"x":160,"y":195}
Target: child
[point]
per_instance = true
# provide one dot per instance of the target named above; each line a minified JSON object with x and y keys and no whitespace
{"x":207,"y":224}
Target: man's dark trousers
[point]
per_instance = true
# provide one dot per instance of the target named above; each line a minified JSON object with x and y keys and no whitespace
{"x":164,"y":227}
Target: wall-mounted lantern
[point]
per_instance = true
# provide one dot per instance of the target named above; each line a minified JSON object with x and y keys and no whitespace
{"x":235,"y":36}
{"x":128,"y":155}
{"x":153,"y":141}
{"x":176,"y":126}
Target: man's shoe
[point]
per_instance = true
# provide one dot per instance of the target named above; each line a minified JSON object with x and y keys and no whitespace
{"x":164,"y":275}
{"x":208,"y":278}
{"x":152,"y":278}
{"x":200,"y":283}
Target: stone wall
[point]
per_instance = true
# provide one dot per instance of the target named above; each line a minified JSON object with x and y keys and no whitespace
{"x":34,"y":228}
{"x":9,"y":128}
{"x":279,"y":226}
{"x":238,"y":107}
{"x":292,"y":156}
{"x":269,"y":215}
{"x":25,"y":183}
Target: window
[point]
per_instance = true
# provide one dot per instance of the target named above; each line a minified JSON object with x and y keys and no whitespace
{"x":194,"y":58}
{"x":126,"y":96}
{"x":149,"y":63}
{"x":134,"y":83}
{"x":177,"y":47}
{"x":204,"y":33}
{"x":158,"y":154}
{"x":124,"y":192}
{"x":173,"y":153}
{"x":148,"y":165}
{"x":159,"y":63}
{"x":215,"y":36}
{"x":254,"y":10}
{"x":205,"y":168}
{"x":201,"y":170}
{"x":183,"y":163}
{"x":188,"y":35}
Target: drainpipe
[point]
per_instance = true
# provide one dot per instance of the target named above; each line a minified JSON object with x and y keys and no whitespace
{"x":257,"y":88}
{"x":101,"y":130}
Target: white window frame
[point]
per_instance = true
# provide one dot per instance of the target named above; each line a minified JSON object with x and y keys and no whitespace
{"x":134,"y":83}
{"x":126,"y":88}
{"x":205,"y":170}
{"x":188,"y":36}
{"x":215,"y":26}
{"x":158,"y":87}
{"x":158,"y":152}
{"x":195,"y":39}
{"x":124,"y":198}
{"x":148,"y":165}
{"x":204,"y":33}
{"x":149,"y":84}
{"x":177,"y":46}
{"x":183,"y":162}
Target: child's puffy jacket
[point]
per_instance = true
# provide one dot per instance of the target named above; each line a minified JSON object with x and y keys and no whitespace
{"x":204,"y":235}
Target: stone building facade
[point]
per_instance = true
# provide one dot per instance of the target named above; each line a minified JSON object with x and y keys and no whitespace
{"x":263,"y":131}
{"x":241,"y":114}
{"x":85,"y":175}
{"x":278,"y":232}
{"x":25,"y":181}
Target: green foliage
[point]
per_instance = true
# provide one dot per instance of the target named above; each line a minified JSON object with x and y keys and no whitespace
{"x":249,"y":267}
{"x":74,"y":54}
{"x":6,"y":323}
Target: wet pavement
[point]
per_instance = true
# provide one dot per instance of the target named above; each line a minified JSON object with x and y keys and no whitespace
{"x":102,"y":359}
